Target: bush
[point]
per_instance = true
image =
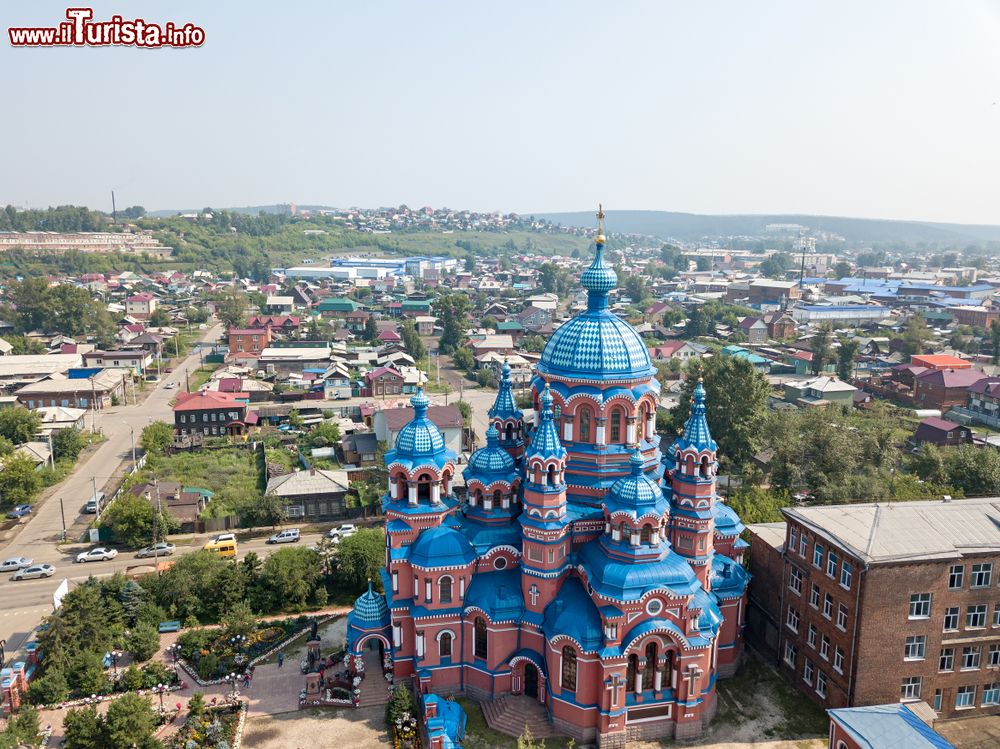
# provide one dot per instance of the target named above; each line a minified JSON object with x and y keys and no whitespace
{"x":207,"y":666}
{"x":400,"y":702}
{"x":49,"y":688}
{"x":133,"y":679}
{"x":143,"y":642}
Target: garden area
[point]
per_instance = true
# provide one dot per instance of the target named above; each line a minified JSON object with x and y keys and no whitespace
{"x":208,"y":726}
{"x":214,"y":653}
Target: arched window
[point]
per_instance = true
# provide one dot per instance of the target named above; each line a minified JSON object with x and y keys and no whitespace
{"x":444,"y":645}
{"x":704,"y":466}
{"x":650,"y":670}
{"x":643,"y":420}
{"x":509,"y":432}
{"x":479,"y":639}
{"x":444,"y":589}
{"x":668,"y":664}
{"x":584,"y":425}
{"x":616,"y":425}
{"x":633,"y":666}
{"x":496,"y":498}
{"x":646,"y":535}
{"x":424,"y":487}
{"x":569,"y":668}
{"x":551,"y":479}
{"x":477,"y":497}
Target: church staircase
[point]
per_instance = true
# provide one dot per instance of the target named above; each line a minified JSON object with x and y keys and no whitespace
{"x":511,"y":713}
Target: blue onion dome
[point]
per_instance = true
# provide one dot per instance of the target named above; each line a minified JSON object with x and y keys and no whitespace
{"x":635,"y":490}
{"x":491,"y":459}
{"x":441,"y":546}
{"x":629,"y":580}
{"x":370,"y":608}
{"x":696,"y":433}
{"x":504,"y":406}
{"x":421,"y":437}
{"x":545,"y":441}
{"x":597,"y":344}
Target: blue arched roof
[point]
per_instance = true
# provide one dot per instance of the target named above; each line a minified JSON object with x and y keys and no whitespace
{"x":420,"y":442}
{"x":441,"y":547}
{"x":636,"y":493}
{"x":490,"y":462}
{"x":595,"y":344}
{"x":625,"y":580}
{"x":574,"y":614}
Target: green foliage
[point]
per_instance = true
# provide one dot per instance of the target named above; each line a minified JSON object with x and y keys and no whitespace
{"x":198,"y":584}
{"x":463,"y":359}
{"x":756,"y":505}
{"x":49,"y":688}
{"x":401,"y":702}
{"x":62,"y":218}
{"x":83,"y":728}
{"x":132,"y":519}
{"x":361,"y":557}
{"x":846,"y":356}
{"x":290,"y":577}
{"x":19,"y":425}
{"x":196,"y":705}
{"x":22,"y":729}
{"x":67,"y":444}
{"x":262,"y":510}
{"x":915,"y":336}
{"x":452,"y":311}
{"x":371,"y":329}
{"x":411,"y":340}
{"x":86,"y":674}
{"x":232,"y":308}
{"x":533,"y":343}
{"x":132,"y":678}
{"x":975,"y":471}
{"x":143,"y":642}
{"x":327,"y":433}
{"x":19,"y":481}
{"x":736,"y":402}
{"x":929,"y":464}
{"x":239,"y":619}
{"x":465,"y":408}
{"x":776,"y":265}
{"x":703,"y":318}
{"x":821,"y":348}
{"x":232,"y":474}
{"x":130,"y":722}
{"x":484,"y":378}
{"x":157,"y":437}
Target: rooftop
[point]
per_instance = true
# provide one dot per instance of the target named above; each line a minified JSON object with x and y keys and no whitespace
{"x":893,"y":726}
{"x":896,"y":532}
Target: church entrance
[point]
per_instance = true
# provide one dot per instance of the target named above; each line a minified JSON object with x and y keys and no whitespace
{"x":531,"y":680}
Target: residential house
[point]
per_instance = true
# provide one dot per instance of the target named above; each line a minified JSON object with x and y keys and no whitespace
{"x":819,"y":391}
{"x":279,"y":305}
{"x":76,"y":390}
{"x":336,"y":307}
{"x":676,"y":349}
{"x":382,"y":381}
{"x":360,"y":448}
{"x":905,"y":726}
{"x":780,"y":325}
{"x":500,"y":344}
{"x":546,"y":300}
{"x":425,"y":324}
{"x":285,"y":324}
{"x":311,"y":495}
{"x":57,"y":418}
{"x":759,"y":362}
{"x":140,"y":306}
{"x":415,"y":308}
{"x":769,"y":291}
{"x":212,"y":413}
{"x":754,"y":328}
{"x":534,"y":318}
{"x":943,"y":388}
{"x":939,"y":362}
{"x":183,"y":503}
{"x":355,"y":321}
{"x":941,"y":432}
{"x":138,"y":361}
{"x":388,"y":422}
{"x":248,"y":340}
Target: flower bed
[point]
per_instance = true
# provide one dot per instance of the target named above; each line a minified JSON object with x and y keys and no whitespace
{"x":216,"y":727}
{"x":264,"y":646}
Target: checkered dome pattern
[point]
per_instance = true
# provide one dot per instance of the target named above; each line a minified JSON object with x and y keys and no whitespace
{"x":596,"y":343}
{"x":419,"y":437}
{"x":370,"y":606}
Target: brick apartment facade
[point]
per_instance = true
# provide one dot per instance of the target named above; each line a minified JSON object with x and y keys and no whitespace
{"x":884,"y":603}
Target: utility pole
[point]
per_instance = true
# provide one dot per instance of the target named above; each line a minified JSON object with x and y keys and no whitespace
{"x":52,"y":452}
{"x":62,"y":512}
{"x":93,"y":406}
{"x":131,"y":431}
{"x":96,"y":500}
{"x":187,"y":380}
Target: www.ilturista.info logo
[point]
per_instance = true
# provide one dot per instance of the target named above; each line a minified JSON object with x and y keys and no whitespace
{"x":80,"y":31}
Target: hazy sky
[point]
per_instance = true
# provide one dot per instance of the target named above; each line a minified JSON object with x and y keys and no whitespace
{"x":856,"y":107}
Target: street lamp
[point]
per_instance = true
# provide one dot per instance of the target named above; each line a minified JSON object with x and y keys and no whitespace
{"x":174,"y":650}
{"x":237,"y":642}
{"x":131,"y":431}
{"x":160,"y":689}
{"x":232,"y":678}
{"x":115,"y":655}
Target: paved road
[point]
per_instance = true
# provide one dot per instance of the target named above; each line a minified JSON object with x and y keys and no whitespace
{"x":39,"y":536}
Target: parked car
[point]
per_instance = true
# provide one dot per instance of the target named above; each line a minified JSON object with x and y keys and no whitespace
{"x":345,"y":530}
{"x":100,"y":554}
{"x":170,"y":386}
{"x":93,"y":505}
{"x":288,"y":536}
{"x":162,"y":549}
{"x":36,"y":571}
{"x":14,"y":563}
{"x":168,"y":370}
{"x":19,"y":511}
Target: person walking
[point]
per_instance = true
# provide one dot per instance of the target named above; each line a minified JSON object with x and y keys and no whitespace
{"x":281,"y":658}
{"x":246,"y":679}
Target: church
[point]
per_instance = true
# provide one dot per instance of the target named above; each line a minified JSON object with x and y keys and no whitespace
{"x":585,"y":569}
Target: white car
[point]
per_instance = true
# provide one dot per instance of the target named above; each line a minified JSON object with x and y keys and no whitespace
{"x":14,"y":563}
{"x":39,"y":570}
{"x":338,"y":534}
{"x":223,"y":537}
{"x":162,"y":549}
{"x":170,"y":386}
{"x":100,"y":554}
{"x":288,"y":536}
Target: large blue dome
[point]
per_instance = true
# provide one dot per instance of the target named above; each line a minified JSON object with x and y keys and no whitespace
{"x":441,"y":547}
{"x":421,"y":437}
{"x":594,"y":344}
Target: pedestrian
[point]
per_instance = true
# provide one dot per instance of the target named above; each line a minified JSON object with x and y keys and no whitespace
{"x":246,"y":680}
{"x":281,"y":658}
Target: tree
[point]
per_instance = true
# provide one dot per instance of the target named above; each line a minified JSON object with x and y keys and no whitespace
{"x":995,"y":340}
{"x":49,"y":688}
{"x":22,"y":729}
{"x":130,"y":722}
{"x":756,"y":505}
{"x":976,"y":471}
{"x":142,"y":642}
{"x":160,"y":318}
{"x":915,"y":335}
{"x":86,"y":673}
{"x":295,"y":419}
{"x":290,"y":577}
{"x":484,"y":378}
{"x":846,"y":355}
{"x":776,"y":265}
{"x":371,"y":329}
{"x":19,"y":425}
{"x":157,"y":437}
{"x":401,"y":702}
{"x":232,"y":308}
{"x":68,"y":444}
{"x":239,"y":619}
{"x":928,"y":463}
{"x":411,"y":340}
{"x":533,"y":343}
{"x":548,"y":277}
{"x":452,"y":311}
{"x":463,"y":359}
{"x":361,"y":558}
{"x":262,"y":510}
{"x":736,"y":401}
{"x":842,"y":270}
{"x":365,"y":494}
{"x":83,"y":728}
{"x":327,"y":433}
{"x":19,"y":481}
{"x":131,"y":520}
{"x":821,"y":348}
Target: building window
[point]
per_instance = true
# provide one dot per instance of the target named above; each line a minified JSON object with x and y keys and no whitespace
{"x":811,"y":637}
{"x":994,"y":657}
{"x":842,"y":617}
{"x":828,"y":606}
{"x":916,"y":646}
{"x":793,"y":539}
{"x":824,"y":648}
{"x":444,"y":645}
{"x":790,"y":654}
{"x":956,"y":577}
{"x":965,"y":697}
{"x":807,"y":672}
{"x":616,"y":425}
{"x":846,"y":573}
{"x":910,"y":689}
{"x":793,"y":619}
{"x":947,"y":660}
{"x":920,"y":606}
{"x":996,"y":615}
{"x":971,"y":657}
{"x":444,"y":589}
{"x":584,"y":425}
{"x":951,"y":619}
{"x":838,"y":660}
{"x":569,"y":668}
{"x":975,"y":616}
{"x":814,"y":596}
{"x":803,"y":545}
{"x":795,"y":580}
{"x":818,"y":556}
{"x":937,"y":700}
{"x":991,"y":694}
{"x":831,"y":566}
{"x":981,"y":575}
{"x":479,"y":638}
{"x":821,"y":684}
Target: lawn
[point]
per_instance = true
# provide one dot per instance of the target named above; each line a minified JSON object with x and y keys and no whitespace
{"x":199,"y":377}
{"x":230,"y":473}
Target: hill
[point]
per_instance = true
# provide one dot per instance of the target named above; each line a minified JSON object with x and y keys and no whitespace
{"x":692,"y":226}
